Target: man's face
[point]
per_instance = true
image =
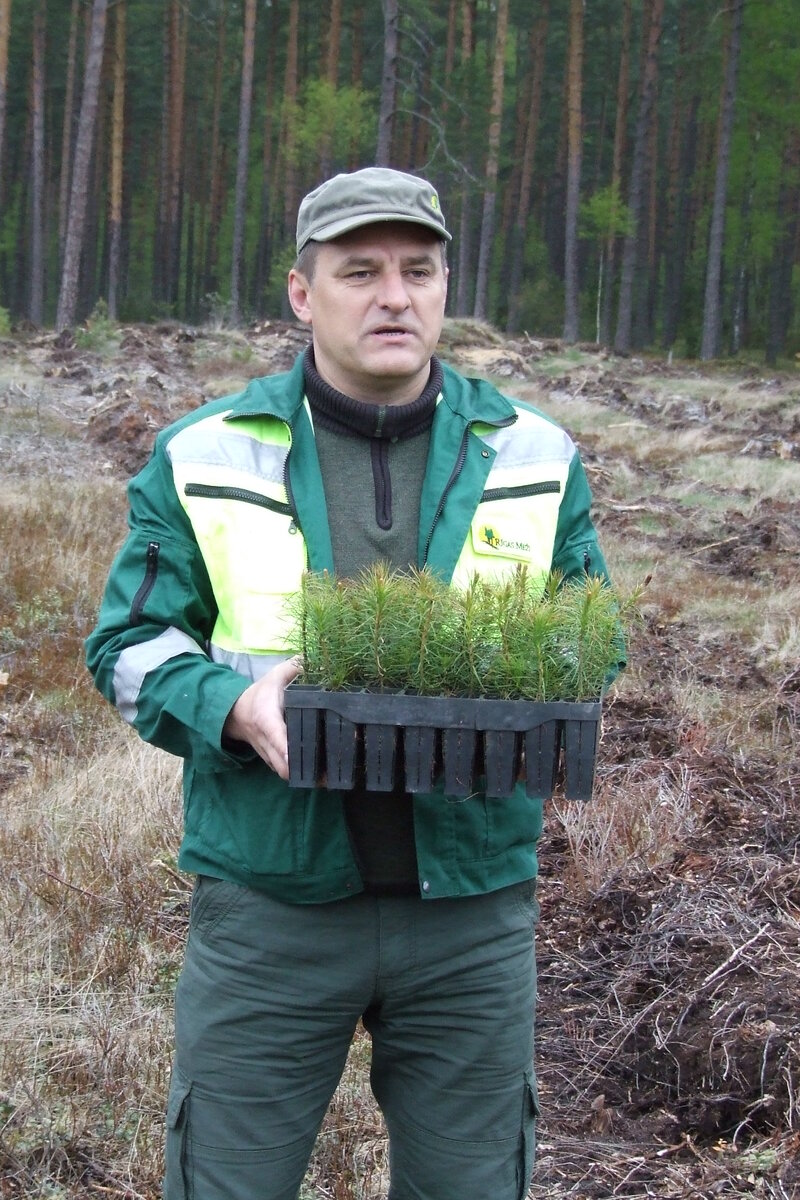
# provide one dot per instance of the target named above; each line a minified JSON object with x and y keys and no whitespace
{"x":376,"y":305}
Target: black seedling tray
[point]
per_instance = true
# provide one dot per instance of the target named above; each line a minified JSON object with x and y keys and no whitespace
{"x":384,"y":738}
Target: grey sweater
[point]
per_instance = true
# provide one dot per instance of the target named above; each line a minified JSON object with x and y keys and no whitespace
{"x":373,"y":459}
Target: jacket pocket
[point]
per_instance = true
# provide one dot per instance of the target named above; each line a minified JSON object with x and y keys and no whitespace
{"x":148,"y":582}
{"x":516,"y":525}
{"x":177,"y":1175}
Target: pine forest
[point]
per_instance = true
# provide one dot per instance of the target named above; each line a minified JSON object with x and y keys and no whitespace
{"x":623,"y":172}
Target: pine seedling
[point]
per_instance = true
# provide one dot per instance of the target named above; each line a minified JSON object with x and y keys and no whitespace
{"x":381,"y":630}
{"x":428,"y":603}
{"x":320,"y":625}
{"x":508,"y":638}
{"x":587,"y":637}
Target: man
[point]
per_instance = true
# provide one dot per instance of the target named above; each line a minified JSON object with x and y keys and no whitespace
{"x":315,"y":910}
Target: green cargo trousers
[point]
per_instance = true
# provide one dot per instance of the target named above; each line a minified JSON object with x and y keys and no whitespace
{"x":267,"y":1005}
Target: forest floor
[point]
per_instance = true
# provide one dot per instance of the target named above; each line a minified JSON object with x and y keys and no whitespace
{"x":668,"y":1024}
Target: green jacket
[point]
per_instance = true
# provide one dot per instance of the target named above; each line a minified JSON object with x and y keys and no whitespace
{"x":223,"y":519}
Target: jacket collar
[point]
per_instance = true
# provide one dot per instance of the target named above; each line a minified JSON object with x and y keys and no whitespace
{"x":272,"y":396}
{"x":282,"y":395}
{"x":475,"y":400}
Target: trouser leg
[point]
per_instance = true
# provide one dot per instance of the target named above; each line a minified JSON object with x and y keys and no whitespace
{"x":452,"y":1036}
{"x":266,"y":1008}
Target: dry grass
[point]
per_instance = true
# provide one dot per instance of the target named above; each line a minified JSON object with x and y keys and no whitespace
{"x":93,"y":915}
{"x":636,"y":815}
{"x":56,"y":538}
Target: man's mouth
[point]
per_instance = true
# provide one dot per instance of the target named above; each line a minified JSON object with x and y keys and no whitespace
{"x":391,"y":331}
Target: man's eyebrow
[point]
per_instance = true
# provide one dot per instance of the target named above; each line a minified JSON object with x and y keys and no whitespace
{"x":364,"y":260}
{"x":357,"y":260}
{"x":419,"y":260}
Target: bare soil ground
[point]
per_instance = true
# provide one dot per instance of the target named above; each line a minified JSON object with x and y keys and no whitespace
{"x":668,"y":1025}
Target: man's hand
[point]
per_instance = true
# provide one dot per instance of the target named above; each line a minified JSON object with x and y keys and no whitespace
{"x":257,"y":717}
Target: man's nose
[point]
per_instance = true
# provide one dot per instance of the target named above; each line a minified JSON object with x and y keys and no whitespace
{"x":392,"y":291}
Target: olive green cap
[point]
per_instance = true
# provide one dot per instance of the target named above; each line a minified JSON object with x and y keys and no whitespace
{"x":365,"y":197}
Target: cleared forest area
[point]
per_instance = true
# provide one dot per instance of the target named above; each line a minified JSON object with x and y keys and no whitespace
{"x":626,"y":170}
{"x":668,"y":1026}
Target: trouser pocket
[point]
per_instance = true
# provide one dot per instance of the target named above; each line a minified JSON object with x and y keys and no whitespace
{"x":176,"y":1178}
{"x":530,"y":1111}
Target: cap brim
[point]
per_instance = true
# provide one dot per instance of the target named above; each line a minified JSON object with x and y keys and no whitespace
{"x":334,"y":229}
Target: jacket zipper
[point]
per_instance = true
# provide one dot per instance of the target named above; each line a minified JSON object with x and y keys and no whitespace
{"x":492,"y":494}
{"x":215,"y":492}
{"x":291,"y":506}
{"x":524,"y":489}
{"x":454,"y":474}
{"x":147,"y":584}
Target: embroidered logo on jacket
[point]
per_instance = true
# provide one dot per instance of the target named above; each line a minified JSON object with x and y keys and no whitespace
{"x":490,"y":536}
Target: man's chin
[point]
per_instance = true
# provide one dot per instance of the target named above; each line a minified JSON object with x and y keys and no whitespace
{"x":393,"y":381}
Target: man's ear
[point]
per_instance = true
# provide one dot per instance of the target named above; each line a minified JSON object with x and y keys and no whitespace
{"x":299,"y":289}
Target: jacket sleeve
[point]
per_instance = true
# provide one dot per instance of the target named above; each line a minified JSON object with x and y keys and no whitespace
{"x":576,"y":551}
{"x":147,"y":653}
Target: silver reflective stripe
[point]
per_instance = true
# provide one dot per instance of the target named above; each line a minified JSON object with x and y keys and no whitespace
{"x":530,"y":440}
{"x":136,"y":662}
{"x":221,"y":447}
{"x":252,"y":666}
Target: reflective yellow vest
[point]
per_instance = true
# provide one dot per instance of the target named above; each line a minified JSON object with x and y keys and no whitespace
{"x":494,"y":503}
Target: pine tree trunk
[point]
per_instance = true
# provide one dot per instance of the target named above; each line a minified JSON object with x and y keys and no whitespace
{"x":779,"y":311}
{"x":266,"y":208}
{"x":36,"y":308}
{"x":677,"y":246}
{"x":240,"y":201}
{"x":215,"y":185}
{"x":15,"y":281}
{"x":642,"y":323}
{"x":290,"y":124}
{"x":519,"y":226}
{"x":76,"y":223}
{"x":463,"y":279}
{"x":511,"y":184}
{"x":574,"y":142}
{"x":356,"y":69}
{"x":449,"y":55}
{"x":622,"y":338}
{"x":160,"y":247}
{"x":357,"y":53}
{"x":620,"y":138}
{"x":712,"y":306}
{"x":92,"y":248}
{"x":5,"y":35}
{"x":117,"y":145}
{"x":66,"y":132}
{"x":678,"y":124}
{"x":420,"y":122}
{"x":178,"y":37}
{"x":391,"y":20}
{"x":741,"y":271}
{"x":334,"y":43}
{"x":332,"y":78}
{"x":492,"y":162}
{"x":553,"y":214}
